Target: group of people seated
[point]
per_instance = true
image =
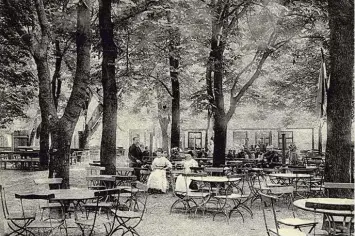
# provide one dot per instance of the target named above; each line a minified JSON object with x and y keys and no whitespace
{"x":269,"y":156}
{"x":157,"y":180}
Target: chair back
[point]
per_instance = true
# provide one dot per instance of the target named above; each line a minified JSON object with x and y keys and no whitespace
{"x":124,"y":170}
{"x":331,"y":185}
{"x":144,"y":192}
{"x":268,"y":201}
{"x":37,"y":196}
{"x":214,"y":170}
{"x":102,"y":196}
{"x":33,"y":196}
{"x":99,"y":182}
{"x":50,"y":181}
{"x":94,"y":170}
{"x":282,"y":190}
{"x":348,"y":188}
{"x":336,"y":207}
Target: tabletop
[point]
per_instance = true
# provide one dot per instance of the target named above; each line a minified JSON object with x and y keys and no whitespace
{"x":301,"y":203}
{"x":48,"y":181}
{"x":67,"y":194}
{"x":72,"y":194}
{"x":102,"y":177}
{"x":289,"y":175}
{"x":215,"y":179}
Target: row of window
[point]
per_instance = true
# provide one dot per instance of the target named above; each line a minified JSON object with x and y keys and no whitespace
{"x":242,"y":137}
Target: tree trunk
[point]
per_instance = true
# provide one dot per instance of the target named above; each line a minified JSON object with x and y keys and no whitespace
{"x":209,"y":115}
{"x":175,"y":86}
{"x":220,"y":121}
{"x":63,"y":129}
{"x":340,"y":94}
{"x":56,"y":82}
{"x":109,"y":122}
{"x":164,"y":123}
{"x":46,"y":105}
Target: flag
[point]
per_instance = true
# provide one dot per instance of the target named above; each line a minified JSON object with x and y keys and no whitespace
{"x":322,"y":90}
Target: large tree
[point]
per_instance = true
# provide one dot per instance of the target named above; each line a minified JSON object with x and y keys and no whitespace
{"x":109,"y":123}
{"x":260,"y":29}
{"x":339,"y":151}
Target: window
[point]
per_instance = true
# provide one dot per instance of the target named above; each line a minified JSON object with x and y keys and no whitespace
{"x":3,"y":141}
{"x":263,"y":137}
{"x":288,"y":136}
{"x":240,"y":138}
{"x":194,"y":140}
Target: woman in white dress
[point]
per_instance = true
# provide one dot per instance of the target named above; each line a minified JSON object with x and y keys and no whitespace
{"x":184,"y":182}
{"x":157,"y":179}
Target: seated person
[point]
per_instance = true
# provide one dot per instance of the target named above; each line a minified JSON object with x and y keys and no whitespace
{"x":146,"y":152}
{"x":244,"y":153}
{"x":258,"y":154}
{"x":157,"y":180}
{"x":271,"y":156}
{"x":181,"y":182}
{"x":230,"y":154}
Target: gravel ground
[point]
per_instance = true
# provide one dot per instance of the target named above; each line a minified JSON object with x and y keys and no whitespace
{"x":157,"y":220}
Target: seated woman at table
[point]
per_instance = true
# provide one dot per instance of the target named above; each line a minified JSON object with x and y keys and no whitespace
{"x":181,"y":182}
{"x":157,"y":181}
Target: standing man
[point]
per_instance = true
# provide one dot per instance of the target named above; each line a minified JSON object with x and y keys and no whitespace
{"x":135,"y":156}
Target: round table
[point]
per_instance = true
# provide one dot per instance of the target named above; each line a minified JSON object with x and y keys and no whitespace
{"x":301,"y":204}
{"x":326,"y":207}
{"x":216,"y":181}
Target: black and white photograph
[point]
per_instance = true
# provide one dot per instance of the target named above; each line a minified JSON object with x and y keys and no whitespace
{"x":177,"y":117}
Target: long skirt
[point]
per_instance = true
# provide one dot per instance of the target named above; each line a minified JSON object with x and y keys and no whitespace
{"x":157,"y":180}
{"x":182,"y":183}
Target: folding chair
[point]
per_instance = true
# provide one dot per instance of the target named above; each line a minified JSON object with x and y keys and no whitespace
{"x":256,"y":186}
{"x":335,"y":226}
{"x":100,"y":182}
{"x":89,"y":225}
{"x":233,"y":193}
{"x":186,"y":196}
{"x":94,"y":170}
{"x":268,"y":201}
{"x":285,"y":193}
{"x":124,"y":170}
{"x":49,"y":224}
{"x":214,"y":171}
{"x":17,"y":222}
{"x":129,"y":220}
{"x":50,"y":181}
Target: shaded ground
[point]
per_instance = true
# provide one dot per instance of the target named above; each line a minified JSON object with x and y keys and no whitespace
{"x":157,"y":220}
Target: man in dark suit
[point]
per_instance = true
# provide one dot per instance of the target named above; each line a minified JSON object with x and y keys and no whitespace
{"x":135,"y":156}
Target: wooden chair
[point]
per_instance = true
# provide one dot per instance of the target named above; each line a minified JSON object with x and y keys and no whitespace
{"x":49,"y":224}
{"x":17,"y":222}
{"x":268,"y":201}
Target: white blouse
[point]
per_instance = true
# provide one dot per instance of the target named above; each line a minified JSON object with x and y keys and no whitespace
{"x":160,"y":163}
